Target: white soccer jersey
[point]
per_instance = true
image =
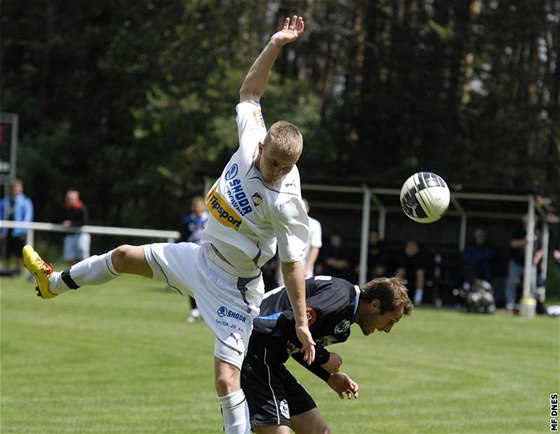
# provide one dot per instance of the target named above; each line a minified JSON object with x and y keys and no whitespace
{"x":315,"y":238}
{"x":248,"y":218}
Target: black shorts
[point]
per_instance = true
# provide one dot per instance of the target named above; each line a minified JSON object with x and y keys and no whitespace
{"x":272,"y":392}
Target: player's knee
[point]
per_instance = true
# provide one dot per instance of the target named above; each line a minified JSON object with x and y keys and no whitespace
{"x":225,"y":384}
{"x":227,"y":377}
{"x":310,"y":422}
{"x":120,"y":257}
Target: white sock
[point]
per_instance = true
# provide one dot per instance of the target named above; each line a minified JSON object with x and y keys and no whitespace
{"x":94,"y":270}
{"x":235,"y":413}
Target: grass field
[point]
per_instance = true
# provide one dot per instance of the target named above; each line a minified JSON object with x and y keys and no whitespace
{"x":120,"y":358}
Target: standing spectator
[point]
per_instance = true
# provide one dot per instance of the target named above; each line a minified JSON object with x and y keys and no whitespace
{"x":16,"y":207}
{"x":336,"y":260}
{"x":314,"y":244}
{"x":410,"y":266}
{"x":255,"y":205}
{"x":192,"y":228}
{"x":518,"y":240}
{"x":477,"y":259}
{"x":75,"y":214}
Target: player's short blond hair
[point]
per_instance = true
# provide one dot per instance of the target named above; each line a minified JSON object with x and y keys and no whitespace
{"x":285,"y":137}
{"x":391,"y":293}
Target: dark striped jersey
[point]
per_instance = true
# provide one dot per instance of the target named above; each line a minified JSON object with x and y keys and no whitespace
{"x":331,"y":305}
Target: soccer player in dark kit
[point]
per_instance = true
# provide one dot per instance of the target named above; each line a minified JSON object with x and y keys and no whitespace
{"x":277,"y":402}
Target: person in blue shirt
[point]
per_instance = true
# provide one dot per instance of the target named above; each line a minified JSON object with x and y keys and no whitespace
{"x":16,"y":207}
{"x":191,"y":231}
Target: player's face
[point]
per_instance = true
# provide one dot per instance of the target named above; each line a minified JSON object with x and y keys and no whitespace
{"x":373,"y":319}
{"x":198,"y":207}
{"x":273,"y":163}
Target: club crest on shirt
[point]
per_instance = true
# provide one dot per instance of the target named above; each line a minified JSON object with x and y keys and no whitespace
{"x":257,"y":199}
{"x":311,"y":315}
{"x":342,"y":327}
{"x":284,"y":409}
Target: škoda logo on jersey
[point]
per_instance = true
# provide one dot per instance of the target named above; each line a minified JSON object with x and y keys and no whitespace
{"x":236,"y":195}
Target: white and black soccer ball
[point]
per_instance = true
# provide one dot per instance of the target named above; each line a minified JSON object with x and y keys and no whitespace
{"x":425,"y":197}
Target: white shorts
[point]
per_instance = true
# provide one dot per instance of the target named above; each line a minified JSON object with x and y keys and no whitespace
{"x":228,"y":302}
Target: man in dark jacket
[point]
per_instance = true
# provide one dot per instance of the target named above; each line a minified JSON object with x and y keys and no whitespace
{"x":75,"y":214}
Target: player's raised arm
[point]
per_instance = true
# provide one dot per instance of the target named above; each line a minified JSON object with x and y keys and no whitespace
{"x":255,"y":82}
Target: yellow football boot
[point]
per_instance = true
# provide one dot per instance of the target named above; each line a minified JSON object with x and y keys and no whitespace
{"x":40,"y":270}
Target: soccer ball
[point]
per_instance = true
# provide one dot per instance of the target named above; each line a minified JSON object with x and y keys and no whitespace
{"x":425,"y":197}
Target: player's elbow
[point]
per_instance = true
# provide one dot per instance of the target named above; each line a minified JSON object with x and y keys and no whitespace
{"x":246,"y":94}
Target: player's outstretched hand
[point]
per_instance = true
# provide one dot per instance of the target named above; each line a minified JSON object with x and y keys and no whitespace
{"x":308,"y":344}
{"x":343,"y":385}
{"x":333,"y":364}
{"x":290,"y":31}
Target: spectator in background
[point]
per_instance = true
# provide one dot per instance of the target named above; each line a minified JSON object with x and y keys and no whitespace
{"x":518,"y":240}
{"x":15,"y":207}
{"x":75,"y":214}
{"x":477,"y":259}
{"x":555,"y":238}
{"x":377,"y":260}
{"x":192,"y":227}
{"x":314,"y":244}
{"x":336,"y":260}
{"x":556,"y":251}
{"x":410,"y":266}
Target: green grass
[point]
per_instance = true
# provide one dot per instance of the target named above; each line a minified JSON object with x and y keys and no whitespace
{"x":120,"y":358}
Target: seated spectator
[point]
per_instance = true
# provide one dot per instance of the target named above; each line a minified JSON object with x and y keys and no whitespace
{"x":377,"y":259}
{"x":477,"y":259}
{"x":410,"y":266}
{"x":336,"y":258}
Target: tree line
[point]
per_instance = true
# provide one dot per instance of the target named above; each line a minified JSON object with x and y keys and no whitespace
{"x":133,"y":103}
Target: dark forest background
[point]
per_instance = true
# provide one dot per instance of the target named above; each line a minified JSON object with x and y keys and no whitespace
{"x":133,"y":102}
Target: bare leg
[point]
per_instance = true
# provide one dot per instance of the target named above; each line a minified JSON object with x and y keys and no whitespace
{"x":235,"y":412}
{"x":97,"y":270}
{"x":131,"y":260}
{"x":272,"y":429}
{"x":309,"y":422}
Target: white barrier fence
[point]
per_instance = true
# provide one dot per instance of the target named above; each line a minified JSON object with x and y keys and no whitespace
{"x":169,"y":236}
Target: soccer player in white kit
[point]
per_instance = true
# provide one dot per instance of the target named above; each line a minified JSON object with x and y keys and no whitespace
{"x":255,"y":207}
